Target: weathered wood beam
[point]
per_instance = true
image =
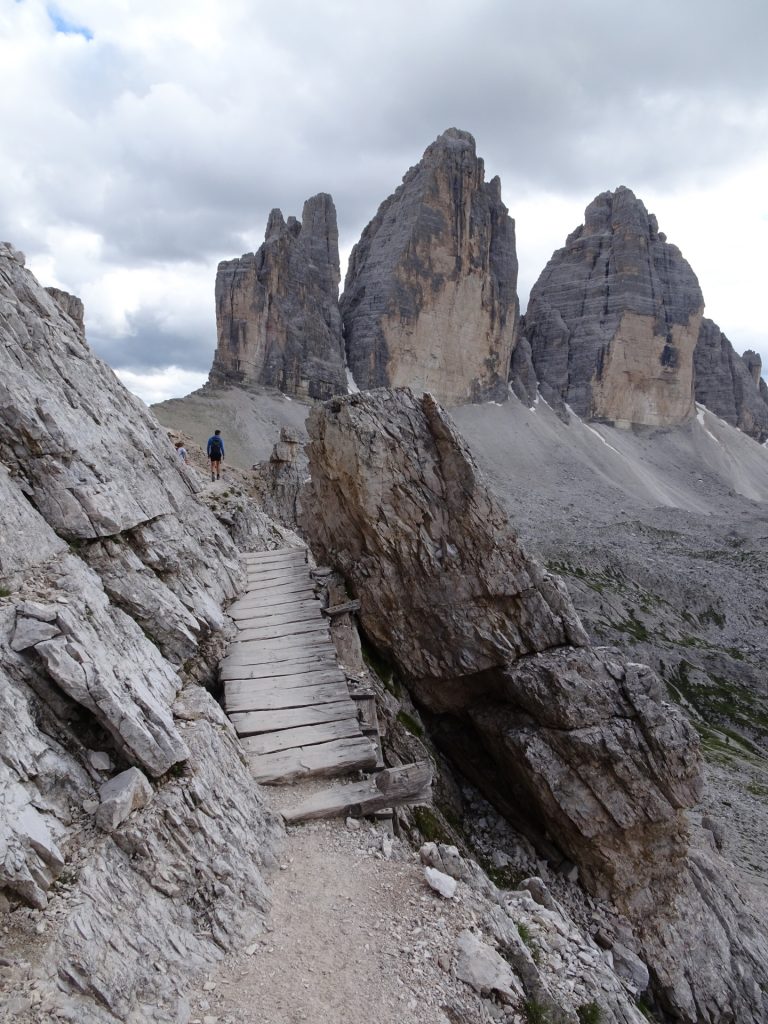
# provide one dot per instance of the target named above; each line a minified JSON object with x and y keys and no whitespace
{"x":409,"y":784}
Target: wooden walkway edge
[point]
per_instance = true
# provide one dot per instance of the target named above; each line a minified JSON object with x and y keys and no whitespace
{"x":283,"y":689}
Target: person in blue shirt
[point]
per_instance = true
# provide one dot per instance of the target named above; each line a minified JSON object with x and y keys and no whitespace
{"x":216,"y":454}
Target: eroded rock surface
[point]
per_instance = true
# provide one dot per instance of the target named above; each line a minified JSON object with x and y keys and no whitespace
{"x":430,"y":298}
{"x":277,"y":313}
{"x":729,"y":385}
{"x":112,"y":578}
{"x":614,"y":318}
{"x":577,"y":747}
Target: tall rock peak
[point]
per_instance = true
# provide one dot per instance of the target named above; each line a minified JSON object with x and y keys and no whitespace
{"x":277,"y":314}
{"x":614,"y":319}
{"x":430,"y":299}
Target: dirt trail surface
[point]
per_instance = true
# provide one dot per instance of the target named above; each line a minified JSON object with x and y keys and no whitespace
{"x":356,"y":935}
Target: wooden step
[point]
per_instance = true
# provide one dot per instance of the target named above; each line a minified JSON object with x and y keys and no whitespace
{"x":279,"y":670}
{"x":297,"y":611}
{"x":248,"y":723}
{"x":313,"y":629}
{"x":303,"y":736}
{"x":253,"y":653}
{"x":281,"y":555}
{"x":335,"y":758}
{"x":237,"y":687}
{"x":297,"y":697}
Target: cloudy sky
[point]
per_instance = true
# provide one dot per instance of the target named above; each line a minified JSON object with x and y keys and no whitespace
{"x":141,"y":141}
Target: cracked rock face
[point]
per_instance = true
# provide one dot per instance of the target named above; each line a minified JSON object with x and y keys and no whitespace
{"x":614,"y":319}
{"x":730,"y":385}
{"x":112,"y":579}
{"x":488,"y":640}
{"x":430,"y":298}
{"x":277,"y":314}
{"x":576,"y":747}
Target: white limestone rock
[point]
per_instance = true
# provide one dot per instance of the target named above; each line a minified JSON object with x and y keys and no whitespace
{"x":440,"y":882}
{"x":480,"y":966}
{"x":121,"y":795}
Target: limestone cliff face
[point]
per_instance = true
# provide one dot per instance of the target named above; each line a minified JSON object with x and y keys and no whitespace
{"x":729,"y":385}
{"x":112,"y":578}
{"x":430,"y":298}
{"x":614,"y":319}
{"x":277,"y":315}
{"x":576,"y":746}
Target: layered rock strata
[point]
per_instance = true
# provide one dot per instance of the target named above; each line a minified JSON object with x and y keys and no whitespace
{"x":112,"y":577}
{"x":729,"y":385}
{"x":277,"y":314}
{"x":614,"y":319}
{"x":430,"y":298}
{"x":575,"y":746}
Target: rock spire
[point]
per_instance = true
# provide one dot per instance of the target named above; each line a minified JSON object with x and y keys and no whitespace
{"x":614,"y":319}
{"x":730,"y":385}
{"x":430,"y":298}
{"x":277,"y":315}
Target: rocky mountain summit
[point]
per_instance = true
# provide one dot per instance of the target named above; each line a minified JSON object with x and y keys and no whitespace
{"x":277,"y":315}
{"x":577,"y":746}
{"x":430,"y":298}
{"x":112,"y":579}
{"x":614,"y":318}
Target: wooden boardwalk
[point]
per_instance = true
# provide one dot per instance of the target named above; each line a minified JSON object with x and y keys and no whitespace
{"x":283,"y":689}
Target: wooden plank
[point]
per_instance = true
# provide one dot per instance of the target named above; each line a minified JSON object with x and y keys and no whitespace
{"x":238,"y":687}
{"x":296,"y":617}
{"x":267,"y":599}
{"x":303,"y":736}
{"x":366,"y":711}
{"x":250,"y":722}
{"x":278,"y":670}
{"x":334,"y":758}
{"x":274,"y":577}
{"x":294,"y":585}
{"x":409,"y":784}
{"x":313,"y":629}
{"x":298,"y":609}
{"x":340,"y":609}
{"x":264,"y":652}
{"x":298,"y":697}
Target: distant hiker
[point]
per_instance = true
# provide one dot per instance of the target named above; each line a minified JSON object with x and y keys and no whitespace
{"x":181,"y":451}
{"x":216,"y":454}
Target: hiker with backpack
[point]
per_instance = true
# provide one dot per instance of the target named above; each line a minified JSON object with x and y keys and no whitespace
{"x":216,"y":454}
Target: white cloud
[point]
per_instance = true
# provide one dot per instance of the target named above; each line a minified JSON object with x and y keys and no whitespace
{"x":171,"y":382}
{"x":134,"y":160}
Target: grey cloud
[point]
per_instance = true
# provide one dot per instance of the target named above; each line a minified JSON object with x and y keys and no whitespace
{"x":151,"y":345}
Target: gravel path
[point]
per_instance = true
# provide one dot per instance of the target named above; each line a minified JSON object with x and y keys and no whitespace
{"x":355,"y":935}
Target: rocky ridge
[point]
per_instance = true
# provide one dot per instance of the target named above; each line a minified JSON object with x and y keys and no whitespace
{"x":730,"y":385}
{"x":430,"y":299}
{"x":277,"y":315}
{"x":112,"y":578}
{"x":605,"y":777}
{"x":614,"y":318}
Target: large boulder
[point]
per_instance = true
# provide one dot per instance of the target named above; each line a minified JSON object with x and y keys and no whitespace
{"x":577,"y":747}
{"x":430,"y":298}
{"x":728,"y":384}
{"x":277,"y":313}
{"x":614,"y":318}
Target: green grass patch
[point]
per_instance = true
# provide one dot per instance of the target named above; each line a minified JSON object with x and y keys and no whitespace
{"x":430,"y":826}
{"x":5,"y":592}
{"x":589,"y":1013}
{"x":410,"y":723}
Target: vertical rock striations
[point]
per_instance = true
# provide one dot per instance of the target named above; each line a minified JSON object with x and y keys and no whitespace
{"x":730,"y":385}
{"x":277,"y":314}
{"x":430,"y":298}
{"x":614,"y":318}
